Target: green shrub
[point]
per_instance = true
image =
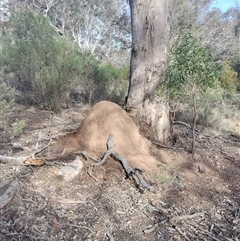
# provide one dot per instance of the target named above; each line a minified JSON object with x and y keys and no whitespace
{"x":191,"y":78}
{"x":46,"y":65}
{"x":103,"y":81}
{"x":113,"y":82}
{"x":191,"y":75}
{"x":6,"y":106}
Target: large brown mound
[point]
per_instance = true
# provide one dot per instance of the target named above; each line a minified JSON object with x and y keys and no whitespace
{"x":104,"y":118}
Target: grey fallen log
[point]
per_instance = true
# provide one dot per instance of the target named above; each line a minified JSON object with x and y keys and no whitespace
{"x":8,"y":189}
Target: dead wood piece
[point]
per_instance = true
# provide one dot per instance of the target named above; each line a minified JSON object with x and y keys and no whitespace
{"x":187,"y":125}
{"x":151,"y":229}
{"x":172,"y":220}
{"x":13,"y":160}
{"x":22,"y":161}
{"x":129,"y":170}
{"x":26,"y":160}
{"x":89,"y":171}
{"x":31,"y":237}
{"x":34,"y":162}
{"x":182,"y":233}
{"x":18,"y":146}
{"x":161,"y":145}
{"x":207,"y":233}
{"x":7,"y":191}
{"x":37,"y":151}
{"x":66,"y":201}
{"x":183,"y":217}
{"x":77,"y":226}
{"x":85,"y":155}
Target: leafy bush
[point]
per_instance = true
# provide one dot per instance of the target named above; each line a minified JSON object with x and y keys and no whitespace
{"x":103,"y":81}
{"x":191,"y":75}
{"x":9,"y":126}
{"x":6,"y":106}
{"x":46,"y":65}
{"x":114,"y":82}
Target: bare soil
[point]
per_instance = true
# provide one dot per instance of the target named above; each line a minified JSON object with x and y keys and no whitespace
{"x":195,"y":199}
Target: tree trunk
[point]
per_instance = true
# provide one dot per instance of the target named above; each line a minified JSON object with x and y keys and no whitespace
{"x":150,"y":37}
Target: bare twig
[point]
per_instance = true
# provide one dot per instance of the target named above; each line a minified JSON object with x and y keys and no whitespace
{"x":77,"y":226}
{"x":89,"y":171}
{"x":172,"y":220}
{"x":151,"y":229}
{"x":45,"y":147}
{"x":161,"y":145}
{"x":183,"y":217}
{"x":187,"y":125}
{"x":207,"y":233}
{"x":182,"y":233}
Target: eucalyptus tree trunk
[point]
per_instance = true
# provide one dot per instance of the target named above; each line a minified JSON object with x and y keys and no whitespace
{"x":150,"y":37}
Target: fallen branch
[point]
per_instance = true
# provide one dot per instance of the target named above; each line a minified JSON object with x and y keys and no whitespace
{"x":204,"y":232}
{"x":183,"y":217}
{"x":77,"y":226}
{"x":172,"y":220}
{"x":129,"y":170}
{"x":161,"y":145}
{"x":7,"y":189}
{"x":182,"y":233}
{"x":187,"y":125}
{"x":85,"y":155}
{"x":26,"y":160}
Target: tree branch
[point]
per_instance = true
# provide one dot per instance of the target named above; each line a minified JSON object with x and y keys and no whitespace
{"x":27,"y":160}
{"x":129,"y":170}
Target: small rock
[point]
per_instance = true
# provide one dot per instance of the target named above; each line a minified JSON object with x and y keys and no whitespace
{"x":71,"y":170}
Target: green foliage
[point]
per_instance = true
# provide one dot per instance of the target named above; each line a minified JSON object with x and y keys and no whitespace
{"x":190,"y":65}
{"x":9,"y":126}
{"x":114,"y":82}
{"x":18,"y":126}
{"x":103,"y":81}
{"x":191,"y":77}
{"x":6,"y":106}
{"x":228,"y":77}
{"x":45,"y":64}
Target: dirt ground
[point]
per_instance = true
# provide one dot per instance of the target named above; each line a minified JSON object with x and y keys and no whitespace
{"x":195,"y":199}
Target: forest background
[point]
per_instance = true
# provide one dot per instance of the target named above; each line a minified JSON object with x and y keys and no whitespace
{"x":55,"y":53}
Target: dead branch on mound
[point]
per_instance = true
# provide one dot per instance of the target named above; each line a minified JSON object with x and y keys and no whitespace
{"x":27,"y":160}
{"x":129,"y":170}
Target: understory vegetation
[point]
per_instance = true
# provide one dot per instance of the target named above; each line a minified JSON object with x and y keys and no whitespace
{"x":47,"y":66}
